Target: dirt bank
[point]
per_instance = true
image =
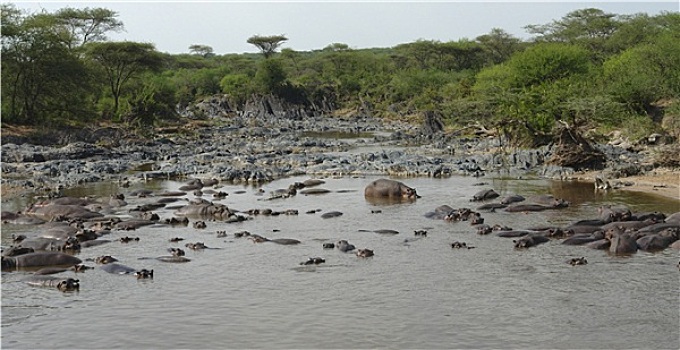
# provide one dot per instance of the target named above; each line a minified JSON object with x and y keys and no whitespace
{"x":661,"y":181}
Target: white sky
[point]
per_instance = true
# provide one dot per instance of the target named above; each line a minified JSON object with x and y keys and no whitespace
{"x":310,"y":25}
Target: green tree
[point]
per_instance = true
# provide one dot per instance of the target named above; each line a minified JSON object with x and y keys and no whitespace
{"x":41,"y":78}
{"x":270,"y":77}
{"x":267,"y":44}
{"x":499,"y":45}
{"x":204,"y":51}
{"x":88,"y":24}
{"x":121,"y":61}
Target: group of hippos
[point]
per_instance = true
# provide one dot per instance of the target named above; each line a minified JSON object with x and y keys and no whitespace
{"x":69,"y":224}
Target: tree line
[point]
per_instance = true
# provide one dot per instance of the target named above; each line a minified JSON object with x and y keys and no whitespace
{"x":591,"y":67}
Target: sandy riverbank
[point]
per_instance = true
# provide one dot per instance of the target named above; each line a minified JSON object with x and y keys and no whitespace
{"x":661,"y":181}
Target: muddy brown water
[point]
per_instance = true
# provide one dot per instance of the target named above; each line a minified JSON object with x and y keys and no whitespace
{"x":414,"y":293}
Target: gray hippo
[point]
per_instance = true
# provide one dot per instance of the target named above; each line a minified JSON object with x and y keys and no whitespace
{"x":39,"y":259}
{"x":51,"y":244}
{"x":56,"y":211}
{"x":345,"y":246}
{"x":512,"y":199}
{"x":622,"y":244}
{"x":577,"y":261}
{"x":144,"y":274}
{"x":9,"y":217}
{"x":549,"y":200}
{"x":386,"y":188}
{"x":60,"y":283}
{"x":530,"y":241}
{"x":331,"y":214}
{"x":313,"y":261}
{"x":117,"y":268}
{"x":204,"y":210}
{"x":484,"y":195}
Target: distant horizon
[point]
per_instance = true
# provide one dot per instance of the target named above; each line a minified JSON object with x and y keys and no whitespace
{"x":174,"y":26}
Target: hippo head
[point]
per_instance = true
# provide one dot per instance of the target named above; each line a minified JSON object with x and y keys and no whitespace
{"x":81,"y":268}
{"x":176,"y":251}
{"x":560,"y":203}
{"x":409,"y":192}
{"x":69,"y":285}
{"x":72,"y":243}
{"x":105,"y":259}
{"x":144,"y":274}
{"x":522,"y":243}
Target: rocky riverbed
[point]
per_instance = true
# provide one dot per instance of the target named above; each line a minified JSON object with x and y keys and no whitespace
{"x":260,"y":147}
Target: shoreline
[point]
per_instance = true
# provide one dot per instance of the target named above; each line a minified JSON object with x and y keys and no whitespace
{"x":661,"y":182}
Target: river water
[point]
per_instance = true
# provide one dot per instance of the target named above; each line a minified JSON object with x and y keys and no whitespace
{"x":414,"y":293}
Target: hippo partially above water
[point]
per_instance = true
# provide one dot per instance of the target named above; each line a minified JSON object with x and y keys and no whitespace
{"x":39,"y":259}
{"x":385,"y":188}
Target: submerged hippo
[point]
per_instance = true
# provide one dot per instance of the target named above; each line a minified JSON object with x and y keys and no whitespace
{"x":530,"y":241}
{"x":345,"y":246}
{"x":39,"y":259}
{"x":364,"y":253}
{"x":117,"y":268}
{"x":61,"y":283}
{"x":385,"y":188}
{"x":313,"y":261}
{"x":484,"y":195}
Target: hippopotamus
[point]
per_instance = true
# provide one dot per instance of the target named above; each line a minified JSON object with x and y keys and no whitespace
{"x":94,"y":243}
{"x":313,"y":261}
{"x":39,"y":259}
{"x":199,"y":225}
{"x":610,"y":213}
{"x":313,"y":182}
{"x":513,"y":233}
{"x":491,"y":206}
{"x":61,"y":283}
{"x":654,"y":242}
{"x":144,"y":274}
{"x":548,"y":200}
{"x":600,"y":244}
{"x":484,"y":229}
{"x":328,"y":245}
{"x":530,"y":241}
{"x":69,"y":212}
{"x":331,"y":214}
{"x":577,"y":261}
{"x":440,"y":212}
{"x":584,"y":238}
{"x":628,"y":225}
{"x":673,"y":218}
{"x":194,"y":184}
{"x":105,"y":259}
{"x":117,"y":268}
{"x":314,"y":191}
{"x":204,"y":210}
{"x":51,"y":244}
{"x":16,"y":251}
{"x":345,"y":246}
{"x":459,"y":245}
{"x":364,"y":253}
{"x":622,"y":244}
{"x":50,"y":270}
{"x":386,"y":188}
{"x":512,"y":199}
{"x":654,"y":216}
{"x":130,"y":225}
{"x":484,"y":195}
{"x":382,"y":231}
{"x":172,"y":259}
{"x":9,"y":217}
{"x":518,"y":208}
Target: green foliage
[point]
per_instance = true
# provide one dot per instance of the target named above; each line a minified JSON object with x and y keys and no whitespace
{"x":267,"y":44}
{"x":238,"y":86}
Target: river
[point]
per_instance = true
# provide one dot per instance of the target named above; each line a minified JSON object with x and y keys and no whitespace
{"x":416,"y":292}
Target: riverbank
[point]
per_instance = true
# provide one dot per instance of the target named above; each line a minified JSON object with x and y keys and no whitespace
{"x":660,"y":181}
{"x":256,"y":149}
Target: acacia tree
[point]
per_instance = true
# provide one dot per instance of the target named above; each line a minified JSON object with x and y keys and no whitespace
{"x":122,"y":61}
{"x":202,"y":50}
{"x":88,"y":24}
{"x":267,"y":44}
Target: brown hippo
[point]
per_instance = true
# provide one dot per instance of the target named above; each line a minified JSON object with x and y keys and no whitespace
{"x":364,"y":253}
{"x":622,"y":244}
{"x":385,"y":188}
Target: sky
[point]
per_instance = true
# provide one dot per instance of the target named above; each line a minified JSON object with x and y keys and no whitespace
{"x":225,"y":26}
